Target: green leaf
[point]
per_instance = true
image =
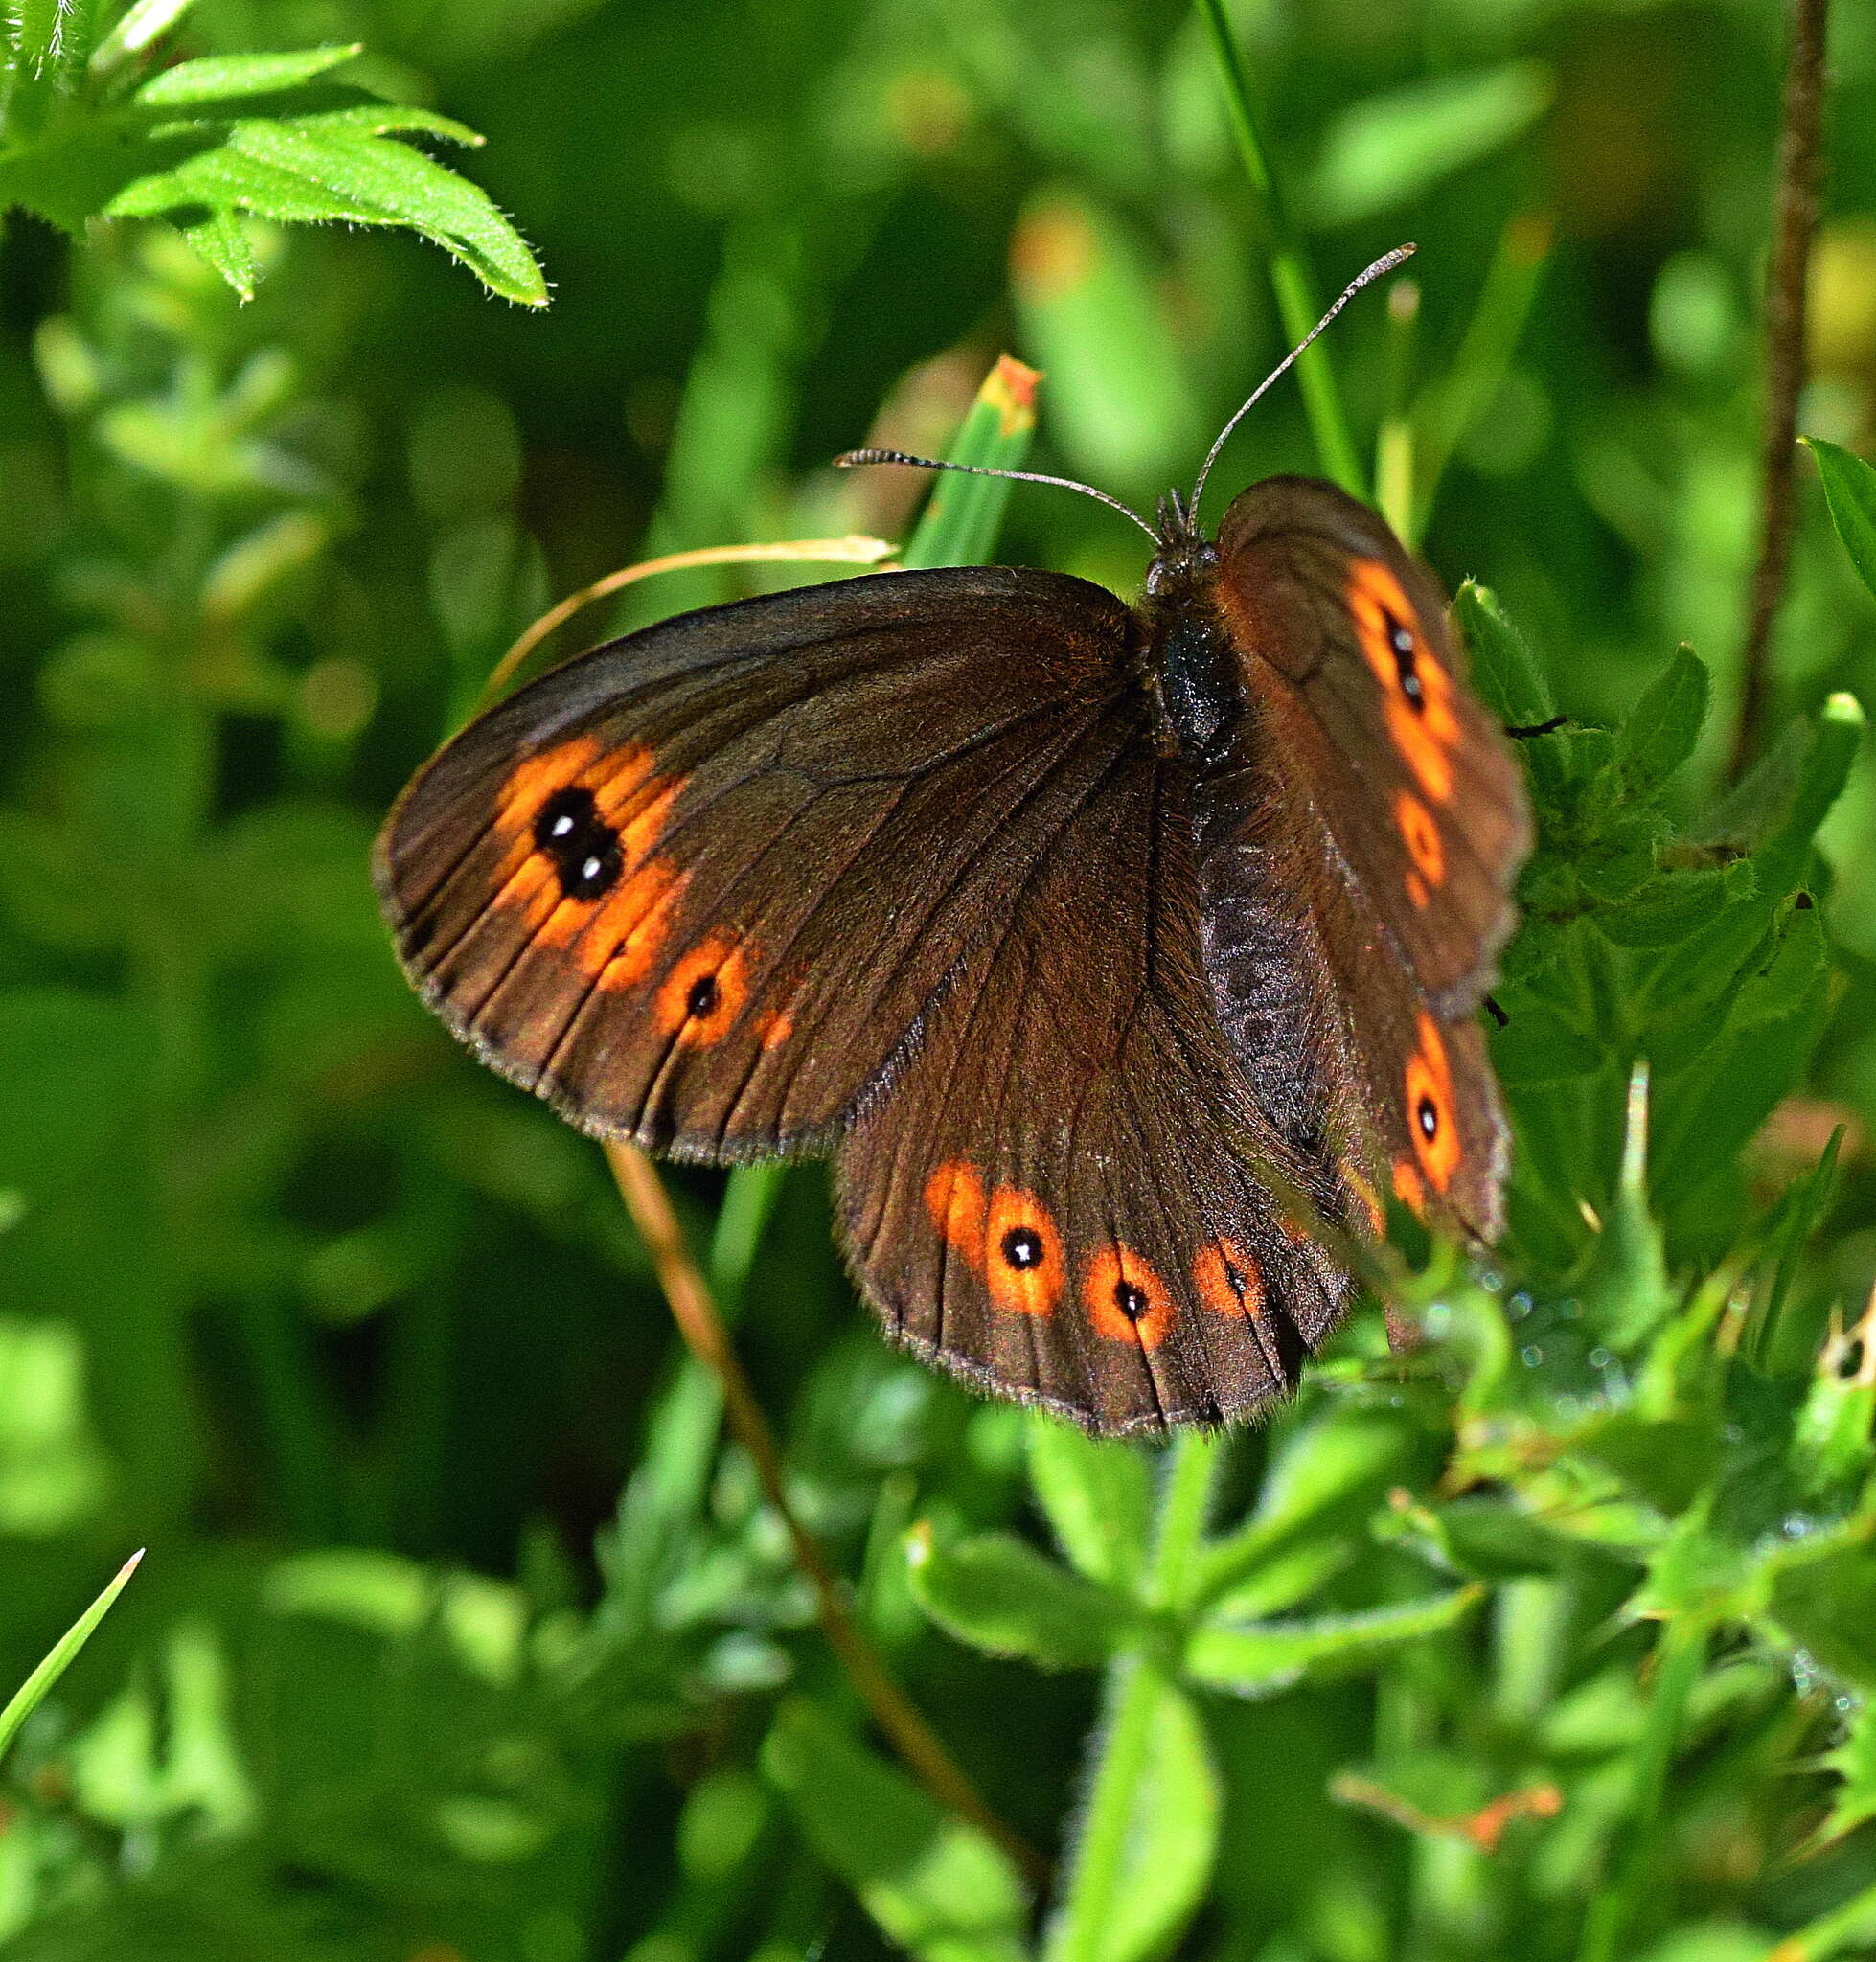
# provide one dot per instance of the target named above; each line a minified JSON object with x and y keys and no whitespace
{"x":1659,"y":732}
{"x":935,"y":1885}
{"x":1538,"y":1044}
{"x":1097,"y":1494}
{"x":1326,"y":1477}
{"x":145,"y":23}
{"x":997,"y":1593}
{"x":1825,"y":1607}
{"x":1504,"y":669}
{"x":1675,"y":904}
{"x":1835,"y":1437}
{"x":1851,"y":494}
{"x":388,"y":118}
{"x":1392,"y":149}
{"x":964,"y":514}
{"x":1166,"y":1864}
{"x":222,"y":240}
{"x":32,"y":1692}
{"x":1258,"y":1660}
{"x":223,"y":77}
{"x":1854,"y":1760}
{"x":313,"y":171}
{"x":1625,"y":1290}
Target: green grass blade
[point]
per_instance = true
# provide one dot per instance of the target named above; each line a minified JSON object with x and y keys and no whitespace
{"x":963,"y":515}
{"x":32,"y":1691}
{"x":1291,"y":275}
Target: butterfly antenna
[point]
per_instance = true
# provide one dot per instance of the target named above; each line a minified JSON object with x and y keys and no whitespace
{"x":849,"y":458}
{"x":1385,"y":263}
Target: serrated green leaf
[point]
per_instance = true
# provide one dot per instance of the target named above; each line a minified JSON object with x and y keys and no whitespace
{"x":1659,"y":733}
{"x":938,"y":1887}
{"x":1258,"y":1660}
{"x":1854,"y":1760}
{"x":1851,"y":494}
{"x":1097,"y":1494}
{"x":386,"y":119}
{"x":226,"y":78}
{"x":1826,"y":1607}
{"x":32,"y":1691}
{"x":997,"y":1593}
{"x":1392,"y":148}
{"x":1170,"y":1849}
{"x":295,"y":174}
{"x":221,"y":241}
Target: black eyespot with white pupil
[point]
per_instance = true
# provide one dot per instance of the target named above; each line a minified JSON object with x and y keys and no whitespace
{"x":1023,"y":1248}
{"x":1406,"y":662}
{"x":1427,"y":1112}
{"x":701,"y":1000}
{"x":1131,"y":1301}
{"x":584,"y":848}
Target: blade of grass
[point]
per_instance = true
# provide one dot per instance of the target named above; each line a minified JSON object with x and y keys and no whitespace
{"x":1291,"y":275}
{"x":32,"y":1692}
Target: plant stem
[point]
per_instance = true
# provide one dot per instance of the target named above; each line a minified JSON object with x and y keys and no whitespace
{"x":1794,"y":223}
{"x":1290,"y":276}
{"x":916,"y":1743}
{"x":1137,"y":1679}
{"x":1679,"y":1656}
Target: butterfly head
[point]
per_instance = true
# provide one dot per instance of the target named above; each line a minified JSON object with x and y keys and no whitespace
{"x":1183,"y":557}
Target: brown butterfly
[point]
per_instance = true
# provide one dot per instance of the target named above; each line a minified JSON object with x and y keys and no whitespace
{"x":1077,"y":933}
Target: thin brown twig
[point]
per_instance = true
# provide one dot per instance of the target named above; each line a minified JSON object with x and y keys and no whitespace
{"x":1794,"y":223}
{"x":916,"y":1743}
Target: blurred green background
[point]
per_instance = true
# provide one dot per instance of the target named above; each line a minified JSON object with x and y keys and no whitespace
{"x":460,"y":1632}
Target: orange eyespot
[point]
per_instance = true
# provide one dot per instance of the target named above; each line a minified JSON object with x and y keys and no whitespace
{"x":1430,"y":1118}
{"x":1416,"y":692}
{"x":1229,"y":1279}
{"x":1125,"y":1299}
{"x":705,"y":991}
{"x":954,"y":1197}
{"x":1023,"y":1253}
{"x":1420,"y":834}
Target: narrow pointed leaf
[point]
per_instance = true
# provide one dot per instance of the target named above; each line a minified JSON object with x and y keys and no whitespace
{"x":964,"y":514}
{"x":1260,"y":1658}
{"x":997,"y":1593}
{"x":32,"y":1691}
{"x":1098,"y":1495}
{"x":936,"y":1886}
{"x":1850,"y":491}
{"x":226,"y":78}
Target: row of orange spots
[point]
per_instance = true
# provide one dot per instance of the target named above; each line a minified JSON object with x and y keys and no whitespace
{"x":1420,"y":724}
{"x":1010,"y":1241}
{"x":1431,"y":1122}
{"x":1425,"y":850}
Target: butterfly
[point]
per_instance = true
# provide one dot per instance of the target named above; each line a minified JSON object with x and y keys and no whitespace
{"x":1101,"y":946}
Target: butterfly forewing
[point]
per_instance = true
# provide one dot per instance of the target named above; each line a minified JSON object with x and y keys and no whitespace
{"x":702,"y":886}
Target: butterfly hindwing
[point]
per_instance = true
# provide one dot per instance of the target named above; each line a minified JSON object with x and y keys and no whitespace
{"x":1067,"y":1195}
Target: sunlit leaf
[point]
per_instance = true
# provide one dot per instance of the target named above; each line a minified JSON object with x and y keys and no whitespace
{"x":1850,"y":491}
{"x":935,"y":1885}
{"x":997,"y":1593}
{"x":225,"y":78}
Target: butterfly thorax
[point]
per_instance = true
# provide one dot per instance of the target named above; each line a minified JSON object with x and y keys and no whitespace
{"x":1196,"y":670}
